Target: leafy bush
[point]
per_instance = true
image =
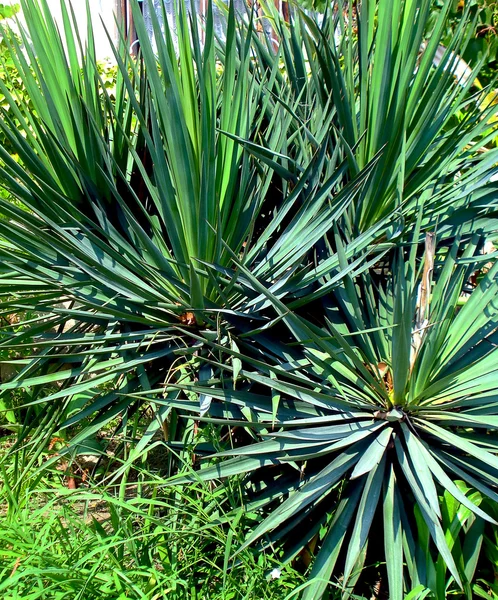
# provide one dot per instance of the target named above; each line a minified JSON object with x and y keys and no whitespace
{"x":483,"y":44}
{"x":274,"y":258}
{"x":7,"y":11}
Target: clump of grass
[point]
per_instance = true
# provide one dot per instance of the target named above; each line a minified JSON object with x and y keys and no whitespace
{"x":90,"y":544}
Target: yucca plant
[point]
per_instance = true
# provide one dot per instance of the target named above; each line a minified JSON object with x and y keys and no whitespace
{"x":283,"y":242}
{"x":135,"y":204}
{"x":374,"y":79}
{"x":371,"y":416}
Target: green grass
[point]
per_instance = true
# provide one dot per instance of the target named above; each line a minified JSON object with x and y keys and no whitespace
{"x":88,"y":544}
{"x":153,"y":542}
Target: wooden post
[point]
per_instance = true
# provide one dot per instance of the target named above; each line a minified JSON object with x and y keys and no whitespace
{"x":131,"y":33}
{"x":125,"y":18}
{"x":285,"y":11}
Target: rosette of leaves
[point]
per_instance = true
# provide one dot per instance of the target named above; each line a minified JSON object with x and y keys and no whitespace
{"x":384,"y":81}
{"x":138,"y":199}
{"x":363,"y":413}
